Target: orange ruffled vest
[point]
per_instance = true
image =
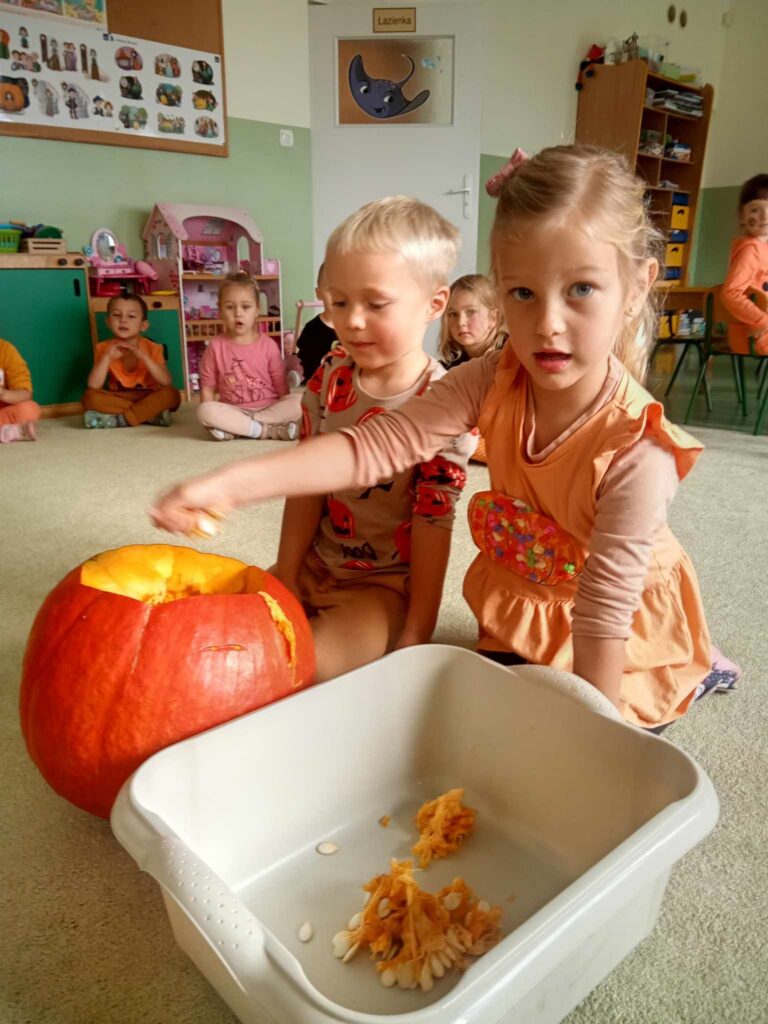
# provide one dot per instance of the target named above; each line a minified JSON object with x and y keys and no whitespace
{"x":668,"y":651}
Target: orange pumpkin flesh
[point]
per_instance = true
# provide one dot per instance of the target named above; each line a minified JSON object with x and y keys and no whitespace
{"x":415,"y":936}
{"x":443,"y":823}
{"x":147,"y":645}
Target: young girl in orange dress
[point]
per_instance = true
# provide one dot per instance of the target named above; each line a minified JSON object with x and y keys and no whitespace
{"x":576,"y":565}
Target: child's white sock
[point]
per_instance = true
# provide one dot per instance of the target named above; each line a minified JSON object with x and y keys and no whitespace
{"x":255,"y":429}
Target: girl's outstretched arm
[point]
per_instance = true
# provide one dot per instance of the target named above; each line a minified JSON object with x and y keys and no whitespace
{"x":316,"y":466}
{"x":354,"y":457}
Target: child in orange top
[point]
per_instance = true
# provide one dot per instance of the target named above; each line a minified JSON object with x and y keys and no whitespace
{"x":138,"y":384}
{"x":748,"y":272}
{"x":470,"y":328}
{"x":577,"y":567}
{"x":18,"y":412}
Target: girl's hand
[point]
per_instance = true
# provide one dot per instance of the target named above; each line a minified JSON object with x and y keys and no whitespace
{"x":191,"y":508}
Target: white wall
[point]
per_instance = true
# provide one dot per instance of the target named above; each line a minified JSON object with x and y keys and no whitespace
{"x":738,"y":141}
{"x":533,"y":52}
{"x":531,"y":58}
{"x":266,"y":45}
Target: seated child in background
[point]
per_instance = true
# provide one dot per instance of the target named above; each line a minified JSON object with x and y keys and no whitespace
{"x":375,"y":556}
{"x":318,"y":334}
{"x":471,"y":324}
{"x":748,"y":272}
{"x":471,"y":327}
{"x":247,"y":371}
{"x":17,"y":410}
{"x":577,"y":567}
{"x":138,"y":385}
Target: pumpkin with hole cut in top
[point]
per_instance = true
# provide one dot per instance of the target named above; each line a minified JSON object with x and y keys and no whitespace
{"x":147,"y":645}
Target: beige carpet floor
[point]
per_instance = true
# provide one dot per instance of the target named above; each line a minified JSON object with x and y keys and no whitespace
{"x":85,"y":939}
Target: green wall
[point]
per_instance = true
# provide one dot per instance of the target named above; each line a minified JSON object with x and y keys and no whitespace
{"x":487,"y":207}
{"x":80,"y":187}
{"x":718,"y":222}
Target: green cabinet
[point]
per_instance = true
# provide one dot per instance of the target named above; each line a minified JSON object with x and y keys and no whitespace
{"x":44,"y":313}
{"x":164,"y":328}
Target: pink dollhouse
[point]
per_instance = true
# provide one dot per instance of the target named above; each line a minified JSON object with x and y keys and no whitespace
{"x":193,"y":248}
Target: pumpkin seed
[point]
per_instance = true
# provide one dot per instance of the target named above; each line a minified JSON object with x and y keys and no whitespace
{"x":388,"y":977}
{"x":484,"y":906}
{"x":438,"y":968}
{"x":384,"y":909}
{"x":355,"y":921}
{"x":341,"y":943}
{"x":306,"y":932}
{"x":350,"y":953}
{"x":425,"y":978}
{"x":326,"y":849}
{"x":452,"y":901}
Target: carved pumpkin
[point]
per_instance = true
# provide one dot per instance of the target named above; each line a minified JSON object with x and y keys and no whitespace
{"x":143,"y":646}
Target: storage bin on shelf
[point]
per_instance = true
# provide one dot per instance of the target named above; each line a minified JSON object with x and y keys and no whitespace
{"x":679,"y":218}
{"x":580,"y":820}
{"x":10,"y":238}
{"x":674,"y":255}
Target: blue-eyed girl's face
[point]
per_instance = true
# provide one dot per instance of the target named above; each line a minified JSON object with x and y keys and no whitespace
{"x":566,"y":302}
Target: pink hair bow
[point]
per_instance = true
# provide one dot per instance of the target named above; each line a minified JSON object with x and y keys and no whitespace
{"x":496,"y":181}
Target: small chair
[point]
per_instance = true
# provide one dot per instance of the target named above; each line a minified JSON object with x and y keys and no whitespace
{"x":716,"y":344}
{"x":688,"y":342}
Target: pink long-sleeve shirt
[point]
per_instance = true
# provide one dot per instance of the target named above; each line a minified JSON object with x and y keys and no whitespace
{"x":251,"y":376}
{"x":632,"y":501}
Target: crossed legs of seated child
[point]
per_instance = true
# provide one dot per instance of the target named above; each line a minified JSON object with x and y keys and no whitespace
{"x":130,"y":407}
{"x":17,"y":422}
{"x":276,"y":422}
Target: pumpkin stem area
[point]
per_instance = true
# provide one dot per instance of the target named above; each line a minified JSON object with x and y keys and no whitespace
{"x":160,"y":573}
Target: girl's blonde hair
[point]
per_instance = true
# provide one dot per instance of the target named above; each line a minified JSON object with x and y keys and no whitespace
{"x":424,"y":239}
{"x":485,"y":293}
{"x":599,"y":188}
{"x":240,"y":279}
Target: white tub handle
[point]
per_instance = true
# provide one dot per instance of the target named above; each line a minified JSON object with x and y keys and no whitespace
{"x":577,"y":688}
{"x":228,"y":926}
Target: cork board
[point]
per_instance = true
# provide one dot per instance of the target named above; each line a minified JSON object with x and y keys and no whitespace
{"x":195,"y":25}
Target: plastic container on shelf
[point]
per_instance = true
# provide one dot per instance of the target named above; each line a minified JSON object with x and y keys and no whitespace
{"x":10,"y":238}
{"x":679,"y":217}
{"x":580,"y":820}
{"x":674,"y":256}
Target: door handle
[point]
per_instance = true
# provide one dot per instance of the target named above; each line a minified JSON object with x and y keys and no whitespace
{"x":465,"y":191}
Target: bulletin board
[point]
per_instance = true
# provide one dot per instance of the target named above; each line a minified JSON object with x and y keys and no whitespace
{"x":155,"y":81}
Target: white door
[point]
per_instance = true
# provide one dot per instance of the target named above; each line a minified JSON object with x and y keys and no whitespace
{"x":354,"y":163}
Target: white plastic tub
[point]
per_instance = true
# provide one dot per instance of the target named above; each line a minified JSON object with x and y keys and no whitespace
{"x":581,"y":818}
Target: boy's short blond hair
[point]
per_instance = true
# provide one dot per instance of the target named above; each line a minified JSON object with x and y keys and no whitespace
{"x":426,"y":241}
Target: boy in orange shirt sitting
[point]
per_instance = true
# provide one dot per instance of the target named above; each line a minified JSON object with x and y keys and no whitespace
{"x":17,"y":410}
{"x":138,"y":385}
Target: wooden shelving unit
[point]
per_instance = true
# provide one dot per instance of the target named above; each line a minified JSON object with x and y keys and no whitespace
{"x":613,"y":112}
